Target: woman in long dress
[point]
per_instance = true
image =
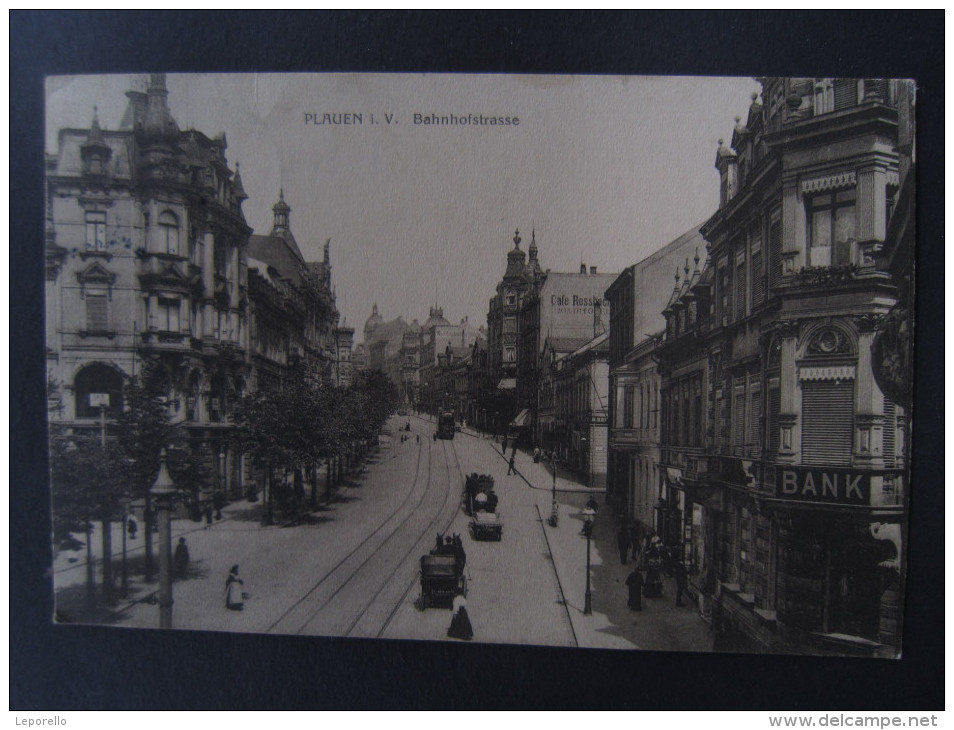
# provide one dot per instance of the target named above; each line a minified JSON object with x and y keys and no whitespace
{"x":460,"y":627}
{"x":234,"y":591}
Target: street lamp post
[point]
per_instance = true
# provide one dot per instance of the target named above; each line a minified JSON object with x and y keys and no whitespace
{"x":125,"y":505}
{"x":162,"y":492}
{"x":588,"y":516}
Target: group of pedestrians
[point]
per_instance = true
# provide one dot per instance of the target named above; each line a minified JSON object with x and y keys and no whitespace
{"x":650,"y":557}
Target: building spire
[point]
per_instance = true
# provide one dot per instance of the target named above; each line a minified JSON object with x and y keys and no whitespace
{"x":281,"y":210}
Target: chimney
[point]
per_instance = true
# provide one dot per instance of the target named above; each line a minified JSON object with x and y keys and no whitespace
{"x":592,"y":269}
{"x":582,"y":268}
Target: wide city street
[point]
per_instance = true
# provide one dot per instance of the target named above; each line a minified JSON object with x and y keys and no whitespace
{"x":352,"y":567}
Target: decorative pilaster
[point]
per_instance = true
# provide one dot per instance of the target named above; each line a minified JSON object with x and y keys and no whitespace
{"x":208,"y":282}
{"x":869,"y":407}
{"x":790,"y":402}
{"x":872,"y":202}
{"x":794,"y":235}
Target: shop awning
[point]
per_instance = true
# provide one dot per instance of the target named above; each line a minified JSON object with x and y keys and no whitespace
{"x":521,"y":420}
{"x":507,"y":384}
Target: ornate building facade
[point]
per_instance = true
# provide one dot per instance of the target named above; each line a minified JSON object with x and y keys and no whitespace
{"x":153,"y":273}
{"x":636,"y":300}
{"x":146,"y":256}
{"x":785,"y":482}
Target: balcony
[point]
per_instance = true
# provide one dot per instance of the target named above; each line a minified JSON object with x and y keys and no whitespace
{"x":165,"y":341}
{"x":692,"y":460}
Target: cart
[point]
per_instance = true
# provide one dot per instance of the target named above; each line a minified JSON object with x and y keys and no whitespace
{"x":442,"y":578}
{"x":486,"y":526}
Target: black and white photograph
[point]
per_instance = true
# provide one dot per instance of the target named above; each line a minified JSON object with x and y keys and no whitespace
{"x":598,"y":362}
{"x":476,"y":360}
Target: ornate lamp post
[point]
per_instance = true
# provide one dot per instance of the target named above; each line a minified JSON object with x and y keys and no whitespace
{"x":588,"y":516}
{"x":125,"y":504}
{"x":162,"y":493}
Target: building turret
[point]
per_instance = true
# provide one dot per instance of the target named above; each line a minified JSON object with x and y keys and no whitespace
{"x":726,"y":164}
{"x":94,"y":151}
{"x":515,"y":259}
{"x":281,"y":209}
{"x":157,"y":125}
{"x":534,"y":270}
{"x":240,"y":194}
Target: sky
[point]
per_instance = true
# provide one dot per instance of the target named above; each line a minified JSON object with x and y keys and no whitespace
{"x":605,"y":169}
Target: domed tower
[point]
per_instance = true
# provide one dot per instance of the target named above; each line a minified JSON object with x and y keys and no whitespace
{"x":157,"y":126}
{"x":515,"y":259}
{"x":373,"y":322}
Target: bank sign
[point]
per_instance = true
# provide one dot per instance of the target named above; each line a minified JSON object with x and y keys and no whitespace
{"x":818,"y":484}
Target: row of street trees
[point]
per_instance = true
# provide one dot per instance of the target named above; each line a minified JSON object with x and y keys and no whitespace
{"x":289,"y":431}
{"x":96,"y":474}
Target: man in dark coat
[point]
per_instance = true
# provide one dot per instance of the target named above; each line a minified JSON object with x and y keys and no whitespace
{"x":682,"y":578}
{"x":635,"y":584}
{"x":180,"y":560}
{"x":512,"y":469}
{"x":622,"y":542}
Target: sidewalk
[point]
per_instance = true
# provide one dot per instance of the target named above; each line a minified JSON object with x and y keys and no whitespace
{"x":660,"y":626}
{"x":209,"y":545}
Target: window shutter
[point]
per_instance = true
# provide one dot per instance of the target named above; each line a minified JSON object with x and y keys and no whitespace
{"x":827,"y":422}
{"x":846,"y":93}
{"x":740,"y":288}
{"x":758,"y":281}
{"x":738,"y":413}
{"x":889,"y":444}
{"x":774,"y":408}
{"x":755,"y":414}
{"x":775,"y":253}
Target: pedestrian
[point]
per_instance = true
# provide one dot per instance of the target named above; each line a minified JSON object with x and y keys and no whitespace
{"x":503,"y":446}
{"x":591,"y":504}
{"x":208,"y":513}
{"x":514,"y":447}
{"x":460,"y":626}
{"x":235,"y":594}
{"x":622,"y":542}
{"x":180,"y":560}
{"x":132,"y":527}
{"x":682,"y":578}
{"x":512,"y":469}
{"x":218,"y":501}
{"x":418,"y":438}
{"x":634,"y":540}
{"x":634,"y":581}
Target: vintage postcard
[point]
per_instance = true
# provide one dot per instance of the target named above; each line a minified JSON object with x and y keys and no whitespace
{"x":617,"y":362}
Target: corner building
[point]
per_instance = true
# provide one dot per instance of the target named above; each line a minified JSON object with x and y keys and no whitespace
{"x":785,"y":488}
{"x":146,"y":246}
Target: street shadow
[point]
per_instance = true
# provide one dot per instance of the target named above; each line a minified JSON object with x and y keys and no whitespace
{"x":75,"y":604}
{"x":194,"y":571}
{"x":246,"y":514}
{"x":345,"y":498}
{"x":308,"y":519}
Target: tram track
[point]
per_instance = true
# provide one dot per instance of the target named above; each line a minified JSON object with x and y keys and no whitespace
{"x":371,"y":536}
{"x":449,"y":522}
{"x":380,"y":547}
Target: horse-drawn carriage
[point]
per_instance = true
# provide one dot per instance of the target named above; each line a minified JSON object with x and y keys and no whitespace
{"x":442,"y":572}
{"x":486,"y":526}
{"x":479,"y":495}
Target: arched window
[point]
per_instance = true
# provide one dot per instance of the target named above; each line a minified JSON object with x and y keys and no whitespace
{"x":169,"y":232}
{"x":98,"y":386}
